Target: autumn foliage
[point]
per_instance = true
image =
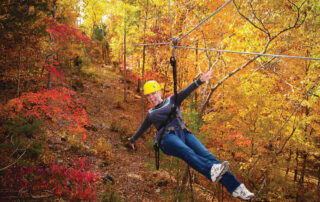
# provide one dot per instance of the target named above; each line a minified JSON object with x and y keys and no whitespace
{"x":61,"y":107}
{"x":261,"y":113}
{"x":71,"y":183}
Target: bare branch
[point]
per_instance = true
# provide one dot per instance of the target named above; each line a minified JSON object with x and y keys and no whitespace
{"x":250,"y":21}
{"x":264,"y":64}
{"x":295,"y":25}
{"x":14,"y":161}
{"x":285,"y":142}
{"x":259,"y":20}
{"x":223,"y":80}
{"x":286,"y":82}
{"x":41,"y":196}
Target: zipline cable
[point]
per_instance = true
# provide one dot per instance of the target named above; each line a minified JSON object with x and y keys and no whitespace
{"x":147,"y":44}
{"x":249,"y":53}
{"x":205,"y":19}
{"x":169,"y":5}
{"x":151,"y":44}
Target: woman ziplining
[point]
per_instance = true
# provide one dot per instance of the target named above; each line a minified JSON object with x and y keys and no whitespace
{"x":176,"y":140}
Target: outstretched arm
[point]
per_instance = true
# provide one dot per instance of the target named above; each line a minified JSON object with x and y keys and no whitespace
{"x":194,"y":85}
{"x":144,"y":126}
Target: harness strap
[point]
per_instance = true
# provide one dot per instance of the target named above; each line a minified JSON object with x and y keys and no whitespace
{"x":173,"y":63}
{"x":173,"y":112}
{"x":157,"y":155}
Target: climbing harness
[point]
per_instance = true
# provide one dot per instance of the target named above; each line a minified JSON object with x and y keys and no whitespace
{"x":158,"y":137}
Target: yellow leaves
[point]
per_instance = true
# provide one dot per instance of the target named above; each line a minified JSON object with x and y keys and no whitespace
{"x":305,"y":103}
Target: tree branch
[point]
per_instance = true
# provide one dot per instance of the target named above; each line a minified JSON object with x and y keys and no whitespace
{"x":295,"y":25}
{"x":250,"y":21}
{"x":14,"y":161}
{"x":259,"y":20}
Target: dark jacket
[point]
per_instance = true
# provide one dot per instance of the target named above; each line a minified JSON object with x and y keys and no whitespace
{"x":159,"y":114}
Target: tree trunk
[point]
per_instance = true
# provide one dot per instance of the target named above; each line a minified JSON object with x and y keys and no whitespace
{"x":318,"y":182}
{"x":288,"y":163}
{"x":182,"y":187}
{"x":108,"y":53}
{"x":219,"y":192}
{"x":139,"y":80}
{"x":19,"y":73}
{"x":103,"y":53}
{"x":297,"y":166}
{"x":124,"y":60}
{"x":195,"y":70}
{"x":49,"y":85}
{"x":143,"y":58}
{"x":190,"y":183}
{"x":303,"y":171}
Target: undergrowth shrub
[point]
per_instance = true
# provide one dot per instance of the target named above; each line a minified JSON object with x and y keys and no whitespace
{"x":114,"y":126}
{"x":103,"y":149}
{"x":111,"y":197}
{"x":61,"y":107}
{"x":118,"y":103}
{"x":22,"y":126}
{"x":22,"y":137}
{"x":73,"y":183}
{"x":123,"y":128}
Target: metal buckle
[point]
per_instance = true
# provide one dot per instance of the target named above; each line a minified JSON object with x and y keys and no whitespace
{"x":171,"y":128}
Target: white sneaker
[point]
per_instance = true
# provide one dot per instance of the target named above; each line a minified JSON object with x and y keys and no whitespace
{"x":217,"y":170}
{"x":243,"y":193}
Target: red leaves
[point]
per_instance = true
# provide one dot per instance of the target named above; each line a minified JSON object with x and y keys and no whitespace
{"x":77,"y":182}
{"x":60,"y":106}
{"x":74,"y":183}
{"x":51,"y":66}
{"x":153,"y":75}
{"x":63,"y":32}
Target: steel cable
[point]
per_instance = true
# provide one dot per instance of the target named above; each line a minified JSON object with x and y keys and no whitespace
{"x":205,"y":19}
{"x":249,"y":53}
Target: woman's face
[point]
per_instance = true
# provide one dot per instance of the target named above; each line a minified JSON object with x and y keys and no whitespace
{"x":154,"y":98}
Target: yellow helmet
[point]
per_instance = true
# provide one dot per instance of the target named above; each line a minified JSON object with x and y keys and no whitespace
{"x":151,"y":87}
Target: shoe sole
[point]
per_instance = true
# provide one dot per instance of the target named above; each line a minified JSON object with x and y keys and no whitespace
{"x":226,"y":166}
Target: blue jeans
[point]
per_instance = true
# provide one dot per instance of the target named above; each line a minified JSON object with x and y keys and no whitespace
{"x":197,"y":156}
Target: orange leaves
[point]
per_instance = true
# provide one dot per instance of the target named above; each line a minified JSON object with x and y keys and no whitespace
{"x":15,"y":104}
{"x":240,"y":139}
